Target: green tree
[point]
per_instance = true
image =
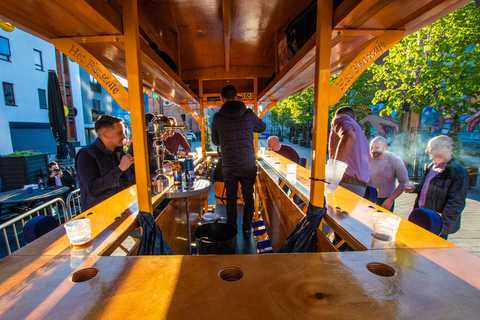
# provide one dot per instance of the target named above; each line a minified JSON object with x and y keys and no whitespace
{"x":208,"y":135}
{"x":435,"y":67}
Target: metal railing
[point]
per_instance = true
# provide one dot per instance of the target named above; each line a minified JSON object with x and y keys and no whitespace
{"x":74,"y":203}
{"x":13,"y":229}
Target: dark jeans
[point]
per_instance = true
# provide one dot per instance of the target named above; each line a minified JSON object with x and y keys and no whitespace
{"x":246,"y":176}
{"x":381,"y":200}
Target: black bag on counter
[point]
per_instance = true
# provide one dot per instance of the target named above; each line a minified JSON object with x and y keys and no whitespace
{"x":165,"y":57}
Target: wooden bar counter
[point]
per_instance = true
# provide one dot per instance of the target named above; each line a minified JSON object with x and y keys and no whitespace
{"x":392,"y":280}
{"x":349,"y":215}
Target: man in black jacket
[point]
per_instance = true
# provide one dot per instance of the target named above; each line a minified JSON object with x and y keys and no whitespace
{"x":59,"y":177}
{"x":232,"y":129}
{"x":103,"y":168}
{"x":444,"y":185}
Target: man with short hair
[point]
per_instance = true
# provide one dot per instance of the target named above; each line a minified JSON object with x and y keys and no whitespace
{"x":385,"y":168}
{"x":232,"y":129}
{"x":444,"y":185}
{"x":103,"y":167}
{"x":282,"y":149}
{"x":349,"y":144}
{"x":59,"y":177}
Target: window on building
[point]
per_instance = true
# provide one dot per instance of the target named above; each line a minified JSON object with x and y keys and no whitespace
{"x":95,"y":86}
{"x":38,"y":59}
{"x":42,"y":98}
{"x":4,"y":49}
{"x":96,"y":105}
{"x":8,"y":94}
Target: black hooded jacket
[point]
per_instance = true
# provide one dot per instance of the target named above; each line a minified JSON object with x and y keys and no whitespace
{"x":232,"y":129}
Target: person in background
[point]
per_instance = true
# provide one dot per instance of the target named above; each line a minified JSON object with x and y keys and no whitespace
{"x":59,"y":177}
{"x":151,"y":153}
{"x":232,"y":129}
{"x":349,"y":144}
{"x":444,"y":185}
{"x":103,"y":168}
{"x":172,"y":141}
{"x":282,"y":149}
{"x":385,"y":168}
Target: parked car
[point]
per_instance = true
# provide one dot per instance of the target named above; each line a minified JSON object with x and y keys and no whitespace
{"x":191,"y":136}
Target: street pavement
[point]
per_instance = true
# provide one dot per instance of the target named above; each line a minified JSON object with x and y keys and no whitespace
{"x":468,"y":237}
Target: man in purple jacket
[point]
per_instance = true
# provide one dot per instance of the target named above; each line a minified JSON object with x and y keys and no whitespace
{"x":283,"y":149}
{"x":232,"y":129}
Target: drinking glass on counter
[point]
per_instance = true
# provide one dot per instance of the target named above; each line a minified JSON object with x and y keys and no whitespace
{"x":262,"y":151}
{"x":385,"y":226}
{"x":79,"y":231}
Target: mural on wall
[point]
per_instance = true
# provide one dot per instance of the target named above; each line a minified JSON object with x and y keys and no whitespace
{"x":438,"y":123}
{"x":469,"y":127}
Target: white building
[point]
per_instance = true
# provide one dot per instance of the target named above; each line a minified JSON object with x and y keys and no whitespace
{"x":24,"y":64}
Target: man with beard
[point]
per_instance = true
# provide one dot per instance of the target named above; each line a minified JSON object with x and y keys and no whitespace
{"x":385,"y":168}
{"x":444,"y":185}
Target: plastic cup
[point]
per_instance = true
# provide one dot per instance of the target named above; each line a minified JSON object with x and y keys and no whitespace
{"x":385,"y":226}
{"x":334,"y":171}
{"x":409,"y":186}
{"x":199,"y":151}
{"x":79,"y":231}
{"x":291,"y":168}
{"x":262,"y":150}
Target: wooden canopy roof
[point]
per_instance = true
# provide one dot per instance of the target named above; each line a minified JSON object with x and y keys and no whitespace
{"x":219,"y":41}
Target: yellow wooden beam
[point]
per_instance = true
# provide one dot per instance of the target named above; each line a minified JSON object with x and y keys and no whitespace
{"x":90,"y":64}
{"x":255,"y":109}
{"x":96,"y":39}
{"x":372,"y":52}
{"x":268,"y":108}
{"x":137,"y":110}
{"x":321,"y":98}
{"x":191,"y":112}
{"x":358,"y":32}
{"x":202,"y":116}
{"x":226,"y":32}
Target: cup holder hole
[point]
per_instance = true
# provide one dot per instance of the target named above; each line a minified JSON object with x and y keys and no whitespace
{"x":231,"y":274}
{"x":381,"y":269}
{"x":83,"y":275}
{"x":89,"y":213}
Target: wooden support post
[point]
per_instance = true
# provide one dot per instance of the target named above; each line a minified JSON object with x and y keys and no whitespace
{"x":202,"y":127}
{"x":137,"y":109}
{"x":321,"y":99}
{"x":255,"y":108}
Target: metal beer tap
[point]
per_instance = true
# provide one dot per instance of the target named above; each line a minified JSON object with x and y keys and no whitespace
{"x":160,"y":181}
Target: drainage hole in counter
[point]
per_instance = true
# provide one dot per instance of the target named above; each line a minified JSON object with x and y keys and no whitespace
{"x":231,"y":274}
{"x":381,"y":269}
{"x":83,"y":275}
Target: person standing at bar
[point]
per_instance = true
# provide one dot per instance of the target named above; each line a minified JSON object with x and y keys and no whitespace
{"x":349,"y":144}
{"x":232,"y":129}
{"x":172,"y":140}
{"x":283,"y":149}
{"x":444,"y":185}
{"x":385,"y":168}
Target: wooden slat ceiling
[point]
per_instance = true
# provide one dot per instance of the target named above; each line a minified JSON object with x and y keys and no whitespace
{"x":204,"y":41}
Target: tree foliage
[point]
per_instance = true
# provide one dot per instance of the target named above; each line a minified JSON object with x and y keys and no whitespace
{"x":437,"y":66}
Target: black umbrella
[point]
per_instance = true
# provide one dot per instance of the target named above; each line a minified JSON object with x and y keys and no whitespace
{"x":304,"y":237}
{"x":152,"y":242}
{"x":56,"y":115}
